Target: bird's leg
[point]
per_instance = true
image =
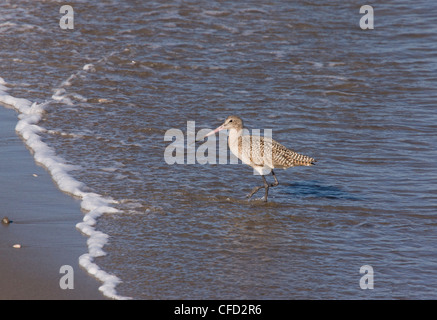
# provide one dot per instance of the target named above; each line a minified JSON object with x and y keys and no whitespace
{"x":276,"y":180}
{"x":265,"y":186}
{"x":254,"y":191}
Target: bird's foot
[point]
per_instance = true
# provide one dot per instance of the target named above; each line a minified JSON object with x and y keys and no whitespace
{"x":260,"y":199}
{"x":255,"y":190}
{"x":249,"y":195}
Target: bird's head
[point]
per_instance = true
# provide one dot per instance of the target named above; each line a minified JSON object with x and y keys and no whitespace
{"x":231,"y":122}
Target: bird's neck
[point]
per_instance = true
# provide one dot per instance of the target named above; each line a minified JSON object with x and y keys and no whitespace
{"x":234,"y":134}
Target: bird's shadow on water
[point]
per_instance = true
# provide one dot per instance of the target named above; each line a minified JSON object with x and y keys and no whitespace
{"x":317,"y":190}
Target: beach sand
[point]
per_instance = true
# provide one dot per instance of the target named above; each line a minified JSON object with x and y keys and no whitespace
{"x":43,"y":224}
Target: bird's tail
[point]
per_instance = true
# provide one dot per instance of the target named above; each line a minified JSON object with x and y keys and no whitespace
{"x":301,"y":160}
{"x":288,"y":158}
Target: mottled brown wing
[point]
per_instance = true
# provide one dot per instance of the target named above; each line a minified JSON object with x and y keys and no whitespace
{"x":285,"y":158}
{"x":258,"y":150}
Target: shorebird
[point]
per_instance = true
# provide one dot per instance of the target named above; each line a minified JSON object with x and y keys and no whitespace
{"x":263,"y":154}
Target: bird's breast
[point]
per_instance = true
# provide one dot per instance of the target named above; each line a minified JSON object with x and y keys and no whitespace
{"x":254,"y":151}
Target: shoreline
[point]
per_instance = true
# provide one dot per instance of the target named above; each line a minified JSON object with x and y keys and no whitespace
{"x":44,"y":225}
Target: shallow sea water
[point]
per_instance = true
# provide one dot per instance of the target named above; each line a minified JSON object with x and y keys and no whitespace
{"x":362,"y":102}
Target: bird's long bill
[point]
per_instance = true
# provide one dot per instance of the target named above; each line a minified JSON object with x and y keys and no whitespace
{"x":214,"y":131}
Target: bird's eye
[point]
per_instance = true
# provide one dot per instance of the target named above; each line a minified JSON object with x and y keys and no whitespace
{"x":230,"y":120}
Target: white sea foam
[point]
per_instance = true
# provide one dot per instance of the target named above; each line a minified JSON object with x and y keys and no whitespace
{"x":93,"y":204}
{"x":89,"y":67}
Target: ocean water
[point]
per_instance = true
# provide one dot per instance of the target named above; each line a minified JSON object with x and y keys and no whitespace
{"x":96,"y":102}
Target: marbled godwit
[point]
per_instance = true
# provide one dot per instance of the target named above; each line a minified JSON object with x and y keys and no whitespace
{"x":261,"y":153}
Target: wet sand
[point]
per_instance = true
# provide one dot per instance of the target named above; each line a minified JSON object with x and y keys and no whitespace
{"x":43,"y":225}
